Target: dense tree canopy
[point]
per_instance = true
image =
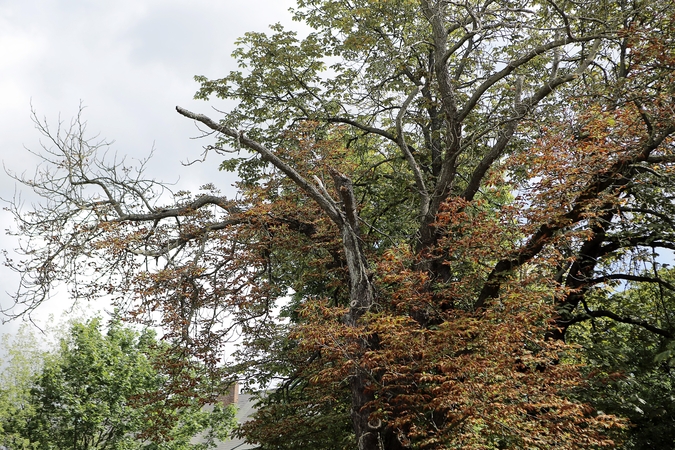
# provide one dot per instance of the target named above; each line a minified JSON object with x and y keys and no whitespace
{"x":432,"y":192}
{"x":630,"y":368}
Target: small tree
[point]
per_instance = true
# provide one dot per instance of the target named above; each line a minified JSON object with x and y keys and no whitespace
{"x":88,"y":395}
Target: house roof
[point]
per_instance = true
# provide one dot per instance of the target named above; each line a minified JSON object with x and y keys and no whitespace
{"x":245,"y":404}
{"x":245,"y":409}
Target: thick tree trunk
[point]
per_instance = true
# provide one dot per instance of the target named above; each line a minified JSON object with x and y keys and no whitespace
{"x":367,"y":433}
{"x":370,"y":434}
{"x":362,"y":297}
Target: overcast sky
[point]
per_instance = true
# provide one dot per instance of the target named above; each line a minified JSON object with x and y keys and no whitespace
{"x":130,"y":62}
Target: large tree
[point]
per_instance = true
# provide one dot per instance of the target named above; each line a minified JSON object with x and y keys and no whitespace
{"x":433,"y":190}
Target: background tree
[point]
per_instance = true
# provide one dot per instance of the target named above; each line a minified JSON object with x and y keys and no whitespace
{"x":22,"y":360}
{"x":86,"y":395}
{"x":441,"y":188}
{"x":629,"y":367}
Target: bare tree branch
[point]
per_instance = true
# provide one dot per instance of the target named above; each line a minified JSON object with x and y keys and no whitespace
{"x":417,"y":173}
{"x":326,"y":203}
{"x":622,"y":319}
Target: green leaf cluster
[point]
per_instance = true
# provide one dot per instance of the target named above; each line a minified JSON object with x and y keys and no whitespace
{"x":631,"y":369}
{"x":85,"y":395}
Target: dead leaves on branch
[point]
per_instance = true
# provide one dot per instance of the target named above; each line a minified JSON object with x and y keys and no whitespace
{"x":447,"y":376}
{"x":473,"y":380}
